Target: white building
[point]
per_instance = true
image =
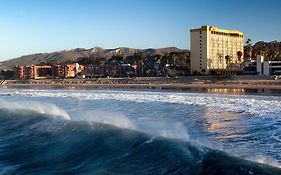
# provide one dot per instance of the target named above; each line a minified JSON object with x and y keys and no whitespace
{"x":264,"y":67}
{"x":215,"y":49}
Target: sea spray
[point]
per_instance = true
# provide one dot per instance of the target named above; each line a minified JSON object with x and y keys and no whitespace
{"x":107,"y":117}
{"x":43,"y":108}
{"x":168,"y":128}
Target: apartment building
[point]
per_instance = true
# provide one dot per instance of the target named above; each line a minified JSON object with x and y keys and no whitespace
{"x":58,"y":71}
{"x":33,"y":72}
{"x":71,"y":70}
{"x":216,"y":49}
{"x":25,"y":72}
{"x":41,"y":72}
{"x":104,"y":70}
{"x":55,"y":71}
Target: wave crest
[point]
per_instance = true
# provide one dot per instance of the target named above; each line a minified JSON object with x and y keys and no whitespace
{"x":43,"y":108}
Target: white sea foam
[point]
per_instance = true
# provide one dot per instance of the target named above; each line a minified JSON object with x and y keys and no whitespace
{"x":257,"y":105}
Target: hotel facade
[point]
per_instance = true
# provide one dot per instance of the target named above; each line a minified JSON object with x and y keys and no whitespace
{"x":214,"y":49}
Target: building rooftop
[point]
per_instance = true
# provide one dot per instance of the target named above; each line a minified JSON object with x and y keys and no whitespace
{"x":216,"y":29}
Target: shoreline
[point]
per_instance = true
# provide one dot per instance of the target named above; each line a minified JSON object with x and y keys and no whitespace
{"x":147,"y":86}
{"x":185,"y":83}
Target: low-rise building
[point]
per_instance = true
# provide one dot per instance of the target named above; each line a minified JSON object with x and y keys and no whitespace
{"x":72,"y":70}
{"x":42,"y":72}
{"x":103,"y":70}
{"x":92,"y":70}
{"x":34,"y":72}
{"x":58,"y":71}
{"x":25,"y":72}
{"x":45,"y":71}
{"x":265,"y":67}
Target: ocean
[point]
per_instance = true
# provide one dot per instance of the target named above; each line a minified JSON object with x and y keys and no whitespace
{"x":106,"y":131}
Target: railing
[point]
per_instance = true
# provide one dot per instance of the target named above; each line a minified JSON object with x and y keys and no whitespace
{"x":3,"y":82}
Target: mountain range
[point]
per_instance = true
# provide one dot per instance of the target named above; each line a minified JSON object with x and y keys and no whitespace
{"x":60,"y":57}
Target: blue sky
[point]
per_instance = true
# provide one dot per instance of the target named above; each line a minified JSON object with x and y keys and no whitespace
{"x":32,"y":26}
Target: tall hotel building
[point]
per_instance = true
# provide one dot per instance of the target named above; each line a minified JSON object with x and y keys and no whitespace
{"x":215,"y":49}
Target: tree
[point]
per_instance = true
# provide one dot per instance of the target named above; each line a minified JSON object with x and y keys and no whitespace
{"x":227,"y":59}
{"x":261,"y":52}
{"x":273,"y":54}
{"x":7,"y":74}
{"x":84,"y":60}
{"x":115,"y":60}
{"x":99,"y":61}
{"x":248,"y":49}
{"x":203,"y":71}
{"x":239,"y":55}
{"x":183,"y":62}
{"x":140,"y":58}
{"x":220,"y":55}
{"x":248,"y":41}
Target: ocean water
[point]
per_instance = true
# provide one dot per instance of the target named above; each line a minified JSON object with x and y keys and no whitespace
{"x":138,"y":132}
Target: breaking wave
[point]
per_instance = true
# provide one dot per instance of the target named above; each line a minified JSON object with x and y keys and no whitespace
{"x":34,"y":142}
{"x":43,"y":108}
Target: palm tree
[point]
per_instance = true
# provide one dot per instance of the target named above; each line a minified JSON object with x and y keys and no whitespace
{"x":227,"y":59}
{"x":204,"y":71}
{"x":249,"y":49}
{"x":220,"y":55}
{"x":140,"y":58}
{"x":239,"y":55}
{"x":248,"y":41}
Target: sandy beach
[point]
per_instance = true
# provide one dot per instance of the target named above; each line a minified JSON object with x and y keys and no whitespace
{"x":181,"y":83}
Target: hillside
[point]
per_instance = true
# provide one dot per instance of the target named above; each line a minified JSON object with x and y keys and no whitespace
{"x":72,"y":55}
{"x":271,"y":50}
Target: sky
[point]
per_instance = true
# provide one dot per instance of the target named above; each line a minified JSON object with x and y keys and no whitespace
{"x":39,"y":26}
